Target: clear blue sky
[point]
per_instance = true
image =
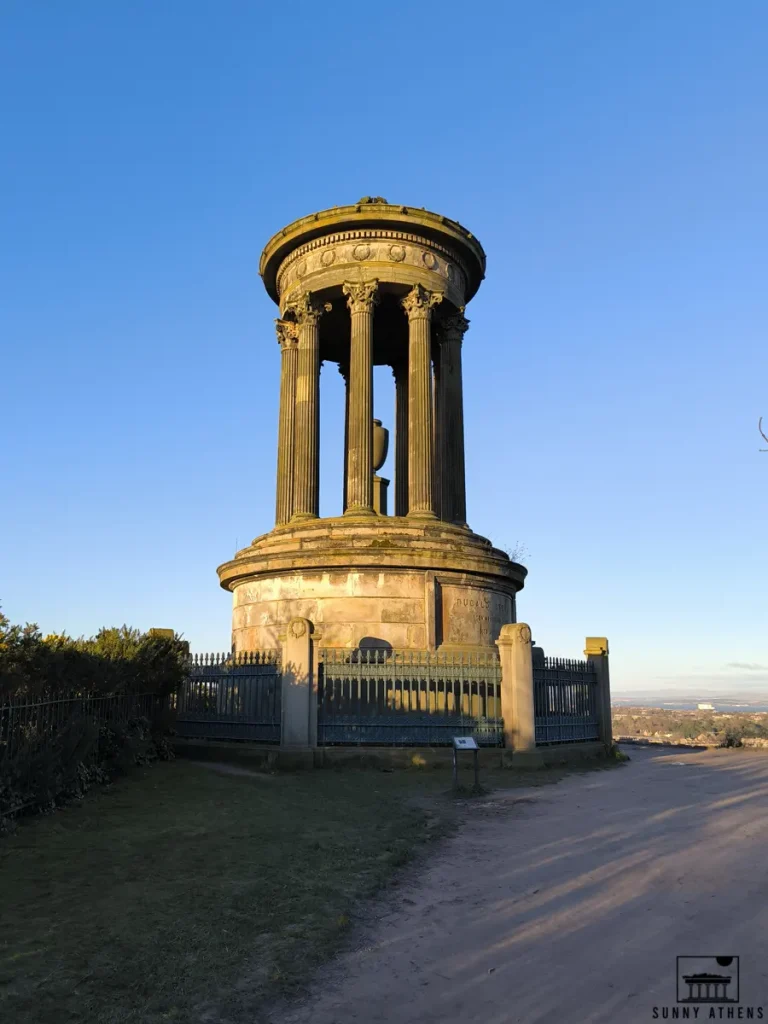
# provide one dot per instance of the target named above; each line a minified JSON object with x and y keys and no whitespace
{"x":611,"y":157}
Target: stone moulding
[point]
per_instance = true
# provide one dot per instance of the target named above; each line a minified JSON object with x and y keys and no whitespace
{"x":296,"y":265}
{"x":430,"y":229}
{"x":401,"y":543}
{"x":400,"y":584}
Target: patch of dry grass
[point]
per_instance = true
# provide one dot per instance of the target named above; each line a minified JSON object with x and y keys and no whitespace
{"x":185,"y":894}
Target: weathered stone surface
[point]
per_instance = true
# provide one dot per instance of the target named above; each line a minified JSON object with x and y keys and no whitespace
{"x":406,"y":245}
{"x":516,"y":655}
{"x":299,"y":686}
{"x":474,"y":615}
{"x":381,"y":582}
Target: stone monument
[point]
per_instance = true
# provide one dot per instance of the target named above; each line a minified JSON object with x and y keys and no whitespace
{"x":364,"y":285}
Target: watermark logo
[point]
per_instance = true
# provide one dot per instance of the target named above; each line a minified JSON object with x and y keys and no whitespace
{"x":707,"y":989}
{"x":707,"y":979}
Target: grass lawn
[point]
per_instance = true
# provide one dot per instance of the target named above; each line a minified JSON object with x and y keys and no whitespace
{"x":182,"y":894}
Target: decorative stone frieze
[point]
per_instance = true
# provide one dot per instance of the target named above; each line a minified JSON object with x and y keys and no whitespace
{"x":367,"y":250}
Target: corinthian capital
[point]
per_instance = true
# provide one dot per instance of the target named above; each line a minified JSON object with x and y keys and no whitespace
{"x":287,"y":333}
{"x":418,"y":302}
{"x":361,"y":296}
{"x":453,"y":328}
{"x":307,"y":309}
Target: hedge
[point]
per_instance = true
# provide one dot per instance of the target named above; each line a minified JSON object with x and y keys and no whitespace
{"x":74,"y":712}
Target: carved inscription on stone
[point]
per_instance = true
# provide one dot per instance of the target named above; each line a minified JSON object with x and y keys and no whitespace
{"x":472,"y":616}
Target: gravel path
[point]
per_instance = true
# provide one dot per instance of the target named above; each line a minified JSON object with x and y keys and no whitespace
{"x":570,"y":903}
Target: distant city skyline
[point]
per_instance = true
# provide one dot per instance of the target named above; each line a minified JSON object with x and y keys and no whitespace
{"x":616,"y":363}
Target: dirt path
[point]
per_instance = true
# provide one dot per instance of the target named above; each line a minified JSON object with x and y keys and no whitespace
{"x":572,"y":904}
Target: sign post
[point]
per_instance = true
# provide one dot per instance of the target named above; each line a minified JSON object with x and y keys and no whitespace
{"x":465,"y":743}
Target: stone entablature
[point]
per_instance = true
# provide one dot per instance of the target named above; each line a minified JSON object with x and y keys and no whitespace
{"x":424,"y":227}
{"x":394,"y":256}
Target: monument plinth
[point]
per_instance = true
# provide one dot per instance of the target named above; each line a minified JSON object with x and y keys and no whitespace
{"x":364,"y":285}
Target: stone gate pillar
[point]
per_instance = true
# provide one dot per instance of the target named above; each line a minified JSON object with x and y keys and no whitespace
{"x":517,"y":705}
{"x":298,"y":726}
{"x":596,"y":653}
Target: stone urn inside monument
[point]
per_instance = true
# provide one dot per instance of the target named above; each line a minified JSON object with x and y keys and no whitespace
{"x":380,"y":449}
{"x":380,"y":445}
{"x":373,"y":284}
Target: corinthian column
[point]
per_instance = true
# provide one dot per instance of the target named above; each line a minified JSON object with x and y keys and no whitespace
{"x":400,"y":372}
{"x":361,"y":299}
{"x":288,"y":337}
{"x":438,"y":415}
{"x":306,"y":468}
{"x":453,"y":501}
{"x":418,"y":305}
{"x":344,"y":371}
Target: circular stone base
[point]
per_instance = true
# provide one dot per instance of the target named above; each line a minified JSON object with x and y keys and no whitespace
{"x":391,"y":582}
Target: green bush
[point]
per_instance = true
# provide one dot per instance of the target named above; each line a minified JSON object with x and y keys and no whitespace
{"x":733,"y":737}
{"x":45,"y":763}
{"x":119,"y":660}
{"x":42,"y":777}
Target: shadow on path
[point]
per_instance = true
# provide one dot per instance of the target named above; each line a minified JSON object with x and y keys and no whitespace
{"x":572,"y":904}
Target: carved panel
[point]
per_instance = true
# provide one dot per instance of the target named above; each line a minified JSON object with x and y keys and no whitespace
{"x":473,"y":617}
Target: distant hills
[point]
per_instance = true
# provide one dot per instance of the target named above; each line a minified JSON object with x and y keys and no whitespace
{"x":735,"y":695}
{"x":721,"y":701}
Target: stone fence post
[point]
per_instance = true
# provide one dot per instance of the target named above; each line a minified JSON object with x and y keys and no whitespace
{"x":298,"y":727}
{"x":516,"y":656}
{"x":596,"y":653}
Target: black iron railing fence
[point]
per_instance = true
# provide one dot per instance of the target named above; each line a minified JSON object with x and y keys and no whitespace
{"x":408,"y":698}
{"x":230,"y":697}
{"x":33,"y":725}
{"x":385,"y":697}
{"x":374,"y":696}
{"x":565,"y":701}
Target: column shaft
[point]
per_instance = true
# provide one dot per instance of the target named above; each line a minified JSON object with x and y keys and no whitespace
{"x":287,"y":334}
{"x":401,"y":438}
{"x":438,"y":434}
{"x":361,"y":298}
{"x":453,"y":503}
{"x":344,"y":370}
{"x":306,"y":474}
{"x":418,"y":305}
